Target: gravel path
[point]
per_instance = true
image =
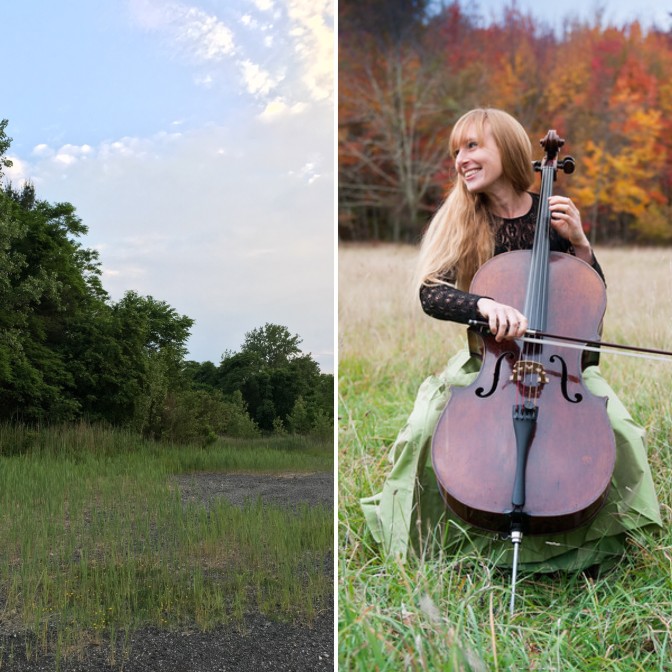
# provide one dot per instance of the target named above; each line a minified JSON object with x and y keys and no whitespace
{"x":256,"y":645}
{"x":290,"y":489}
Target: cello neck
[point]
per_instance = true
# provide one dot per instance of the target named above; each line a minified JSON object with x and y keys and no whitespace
{"x":536,"y":296}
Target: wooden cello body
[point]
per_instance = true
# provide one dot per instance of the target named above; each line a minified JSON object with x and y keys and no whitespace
{"x":527,"y":446}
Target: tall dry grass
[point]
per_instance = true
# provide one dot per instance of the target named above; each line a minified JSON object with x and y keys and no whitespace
{"x":429,"y":615}
{"x":379,"y":317}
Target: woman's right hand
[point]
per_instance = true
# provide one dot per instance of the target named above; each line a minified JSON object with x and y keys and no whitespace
{"x":505,"y":321}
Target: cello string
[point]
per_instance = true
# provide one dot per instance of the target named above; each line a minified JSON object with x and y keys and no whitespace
{"x":548,"y":175}
{"x":540,"y":271}
{"x":532,"y":300}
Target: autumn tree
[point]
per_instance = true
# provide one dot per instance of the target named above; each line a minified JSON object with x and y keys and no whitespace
{"x":620,"y":129}
{"x":606,"y":89}
{"x":381,"y":21}
{"x":393,"y":99}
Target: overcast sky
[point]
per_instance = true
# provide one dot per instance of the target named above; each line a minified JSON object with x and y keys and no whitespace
{"x":196,"y":141}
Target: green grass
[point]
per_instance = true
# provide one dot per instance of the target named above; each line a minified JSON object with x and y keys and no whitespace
{"x":95,"y":540}
{"x":451,"y":612}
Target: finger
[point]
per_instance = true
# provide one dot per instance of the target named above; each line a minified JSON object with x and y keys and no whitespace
{"x":561,"y":204}
{"x":521,"y":328}
{"x":495,"y":327}
{"x":502,"y":326}
{"x":492,"y":322}
{"x":516,"y":324}
{"x":513,"y":330}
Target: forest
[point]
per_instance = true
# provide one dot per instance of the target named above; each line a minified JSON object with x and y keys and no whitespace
{"x":69,"y":353}
{"x":408,"y":70}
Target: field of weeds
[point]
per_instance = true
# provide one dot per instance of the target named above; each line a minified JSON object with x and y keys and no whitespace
{"x":97,"y":540}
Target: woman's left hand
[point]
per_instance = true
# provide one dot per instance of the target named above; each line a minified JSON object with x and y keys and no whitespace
{"x":566,"y":220}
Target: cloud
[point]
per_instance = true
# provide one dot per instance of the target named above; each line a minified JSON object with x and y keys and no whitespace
{"x":257,"y":81}
{"x":278,"y":108}
{"x":230,"y":226}
{"x":291,"y":55}
{"x":314,"y":43}
{"x":66,"y":155}
{"x":65,"y":159}
{"x":201,"y":36}
{"x":204,"y":35}
{"x":307,"y":173}
{"x":42,"y":150}
{"x":264,"y":5}
{"x":48,"y":162}
{"x":18,"y":173}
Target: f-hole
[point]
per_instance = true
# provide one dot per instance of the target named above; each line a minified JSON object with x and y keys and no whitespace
{"x":563,"y":381}
{"x":480,"y":392}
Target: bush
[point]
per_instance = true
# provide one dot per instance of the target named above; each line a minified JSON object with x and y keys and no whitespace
{"x":298,"y":420}
{"x":199,"y":416}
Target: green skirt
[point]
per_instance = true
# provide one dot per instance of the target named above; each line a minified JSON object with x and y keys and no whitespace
{"x":410,"y":508}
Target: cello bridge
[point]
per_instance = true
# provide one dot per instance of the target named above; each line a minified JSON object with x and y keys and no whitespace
{"x":525,"y":369}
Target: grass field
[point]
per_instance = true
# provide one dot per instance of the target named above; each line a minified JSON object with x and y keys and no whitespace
{"x":96,"y":541}
{"x":446,"y":614}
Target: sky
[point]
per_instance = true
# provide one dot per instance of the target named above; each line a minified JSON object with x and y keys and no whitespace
{"x":613,"y":12}
{"x":196,"y":141}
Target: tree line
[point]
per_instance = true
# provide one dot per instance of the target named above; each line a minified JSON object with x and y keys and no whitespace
{"x":408,"y":70}
{"x":68,"y":352}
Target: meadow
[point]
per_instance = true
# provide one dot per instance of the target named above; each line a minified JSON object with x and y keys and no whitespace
{"x":447,"y":613}
{"x":97,"y":541}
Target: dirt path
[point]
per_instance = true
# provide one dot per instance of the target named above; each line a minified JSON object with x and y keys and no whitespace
{"x":258,"y":644}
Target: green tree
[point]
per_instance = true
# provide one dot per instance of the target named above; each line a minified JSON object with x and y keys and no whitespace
{"x":271,"y":373}
{"x":5,"y":142}
{"x":48,"y":282}
{"x":154,"y":344}
{"x":272,"y":344}
{"x":66,"y":351}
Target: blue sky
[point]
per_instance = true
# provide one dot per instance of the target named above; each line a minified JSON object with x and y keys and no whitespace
{"x":196,"y":140}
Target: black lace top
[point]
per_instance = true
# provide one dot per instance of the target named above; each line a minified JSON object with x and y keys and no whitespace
{"x":446,"y":302}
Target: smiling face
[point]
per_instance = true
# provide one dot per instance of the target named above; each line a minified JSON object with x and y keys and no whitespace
{"x":478,"y":160}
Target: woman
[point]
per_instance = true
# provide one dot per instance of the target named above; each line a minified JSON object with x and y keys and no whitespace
{"x":489,"y":211}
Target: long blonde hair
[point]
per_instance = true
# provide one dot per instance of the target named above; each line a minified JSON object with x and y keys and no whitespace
{"x":460,"y":237}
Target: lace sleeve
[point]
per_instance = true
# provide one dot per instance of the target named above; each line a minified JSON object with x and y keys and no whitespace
{"x":596,"y":265}
{"x":445,"y":302}
{"x":561,"y":245}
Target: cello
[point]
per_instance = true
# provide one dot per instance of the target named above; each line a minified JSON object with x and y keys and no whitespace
{"x":527,"y":448}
